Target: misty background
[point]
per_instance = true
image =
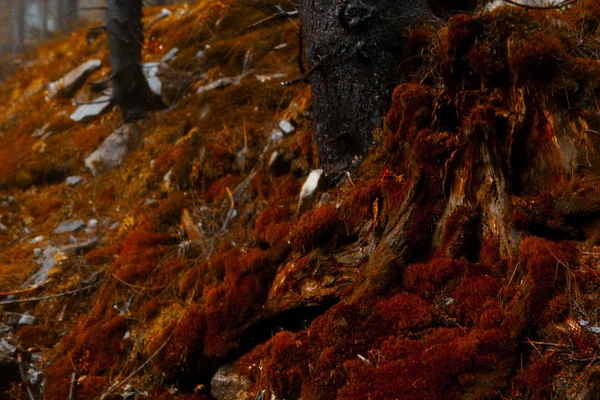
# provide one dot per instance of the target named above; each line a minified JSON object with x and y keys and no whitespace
{"x":26,"y":22}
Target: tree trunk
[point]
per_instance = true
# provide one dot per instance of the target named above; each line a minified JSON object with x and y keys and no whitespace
{"x":44,"y":21}
{"x":60,"y":15}
{"x":19,"y":26}
{"x":125,"y":39}
{"x":359,"y":45}
{"x":72,"y":11}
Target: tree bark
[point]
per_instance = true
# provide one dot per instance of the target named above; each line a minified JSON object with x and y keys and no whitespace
{"x":125,"y":39}
{"x":72,"y":11}
{"x":44,"y":22}
{"x":19,"y":27}
{"x":359,"y":45}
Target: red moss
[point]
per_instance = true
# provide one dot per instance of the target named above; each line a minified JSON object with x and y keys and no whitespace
{"x":418,"y":40}
{"x":140,"y":254}
{"x":317,"y":228}
{"x":272,"y":225}
{"x":538,"y":56}
{"x":406,"y":312}
{"x":536,"y":380}
{"x":151,"y":308}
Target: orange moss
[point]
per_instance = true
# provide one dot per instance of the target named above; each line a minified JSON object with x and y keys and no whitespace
{"x":272,"y":225}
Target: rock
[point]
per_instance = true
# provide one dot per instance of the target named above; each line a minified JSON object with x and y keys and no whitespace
{"x":69,"y":84}
{"x":315,"y":182}
{"x":70,"y":226}
{"x":6,"y":201}
{"x":92,"y":223}
{"x":74,"y":180}
{"x":278,"y":165}
{"x":48,"y":259}
{"x":286,"y":127}
{"x":88,"y":112}
{"x":3,"y":228}
{"x":219,"y":84}
{"x":113,"y":150}
{"x":4,"y":328}
{"x":164,"y":13}
{"x":17,"y":319}
{"x":37,"y":239}
{"x":151,"y":72}
{"x":167,"y":182}
{"x":227,"y":384}
{"x":170,"y":55}
{"x":267,"y":78}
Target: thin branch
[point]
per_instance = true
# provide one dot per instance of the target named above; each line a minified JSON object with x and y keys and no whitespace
{"x":281,"y":14}
{"x":551,"y":7}
{"x":52,"y":296}
{"x":116,"y":385}
{"x":302,"y":77}
{"x":92,"y":8}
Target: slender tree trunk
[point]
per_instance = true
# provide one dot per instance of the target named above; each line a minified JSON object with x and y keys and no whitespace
{"x":125,"y":38}
{"x":60,"y":15}
{"x":72,"y":11}
{"x":19,"y":26}
{"x":44,"y":22}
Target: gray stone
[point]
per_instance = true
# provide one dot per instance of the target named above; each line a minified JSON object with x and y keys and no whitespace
{"x":315,"y":182}
{"x":37,"y":239}
{"x":286,"y":127}
{"x":113,"y":150}
{"x":227,"y":384}
{"x":164,"y":13}
{"x":324,"y":198}
{"x":90,"y":111}
{"x":69,"y":84}
{"x":151,"y":72}
{"x":4,"y":328}
{"x":70,"y":226}
{"x":219,"y":84}
{"x":17,"y":319}
{"x":170,"y":55}
{"x":74,"y":180}
{"x":3,"y":228}
{"x":47,"y":259}
{"x":6,"y":201}
{"x":92,"y":223}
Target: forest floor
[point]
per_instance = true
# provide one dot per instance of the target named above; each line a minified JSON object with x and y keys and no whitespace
{"x":179,"y":264}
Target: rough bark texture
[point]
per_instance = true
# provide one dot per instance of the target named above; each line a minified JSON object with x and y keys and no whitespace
{"x":125,"y":39}
{"x":359,"y":46}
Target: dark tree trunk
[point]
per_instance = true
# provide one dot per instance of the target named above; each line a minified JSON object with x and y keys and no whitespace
{"x":60,"y":14}
{"x":44,"y":22}
{"x":359,"y":46}
{"x":125,"y":38}
{"x":72,"y":11}
{"x":19,"y":26}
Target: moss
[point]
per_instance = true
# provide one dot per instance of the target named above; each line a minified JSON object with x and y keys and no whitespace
{"x":318,"y":227}
{"x":538,"y":57}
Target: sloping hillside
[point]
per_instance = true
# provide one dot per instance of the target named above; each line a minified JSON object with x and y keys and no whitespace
{"x":200,"y":253}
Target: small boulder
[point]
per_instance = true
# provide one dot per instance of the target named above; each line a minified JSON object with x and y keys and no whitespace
{"x":74,"y":180}
{"x":286,"y":127}
{"x":316,"y":181}
{"x":113,"y":150}
{"x":69,"y":84}
{"x":227,"y":384}
{"x":70,"y":226}
{"x":170,"y":55}
{"x":90,"y":111}
{"x":151,"y":73}
{"x":164,"y":13}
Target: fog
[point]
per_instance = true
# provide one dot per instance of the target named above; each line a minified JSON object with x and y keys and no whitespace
{"x":25,"y":22}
